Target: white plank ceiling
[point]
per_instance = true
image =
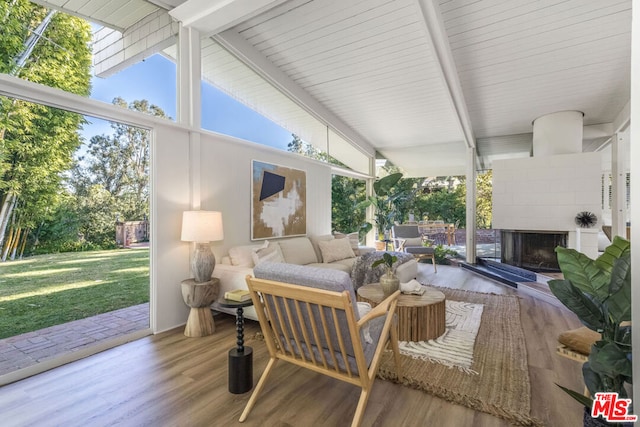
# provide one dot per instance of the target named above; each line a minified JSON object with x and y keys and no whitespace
{"x":371,"y":64}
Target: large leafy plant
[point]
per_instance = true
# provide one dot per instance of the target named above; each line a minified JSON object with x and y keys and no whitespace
{"x":599,"y":293}
{"x":383,"y":202}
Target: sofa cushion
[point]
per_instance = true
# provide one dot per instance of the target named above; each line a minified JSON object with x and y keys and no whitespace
{"x":354,"y":240}
{"x":335,"y":250}
{"x":270,"y":252}
{"x":315,"y":240}
{"x":298,"y":251}
{"x":241,"y":256}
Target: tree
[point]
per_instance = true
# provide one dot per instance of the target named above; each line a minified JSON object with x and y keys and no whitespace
{"x":37,"y":142}
{"x":112,"y":179}
{"x":484,"y":199}
{"x":347,"y":194}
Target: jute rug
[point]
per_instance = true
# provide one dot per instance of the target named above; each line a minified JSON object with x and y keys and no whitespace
{"x":501,"y":386}
{"x":454,"y":348}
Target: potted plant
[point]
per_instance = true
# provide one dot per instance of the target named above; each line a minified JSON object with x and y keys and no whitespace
{"x":382,"y":202}
{"x":599,"y":293}
{"x":388,"y":281}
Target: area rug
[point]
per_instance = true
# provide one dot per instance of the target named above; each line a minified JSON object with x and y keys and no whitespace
{"x":454,"y":348}
{"x":500,"y":385}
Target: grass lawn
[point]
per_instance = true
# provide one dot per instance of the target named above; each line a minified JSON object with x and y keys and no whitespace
{"x":48,"y":290}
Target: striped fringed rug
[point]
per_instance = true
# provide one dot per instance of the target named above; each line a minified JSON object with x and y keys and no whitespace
{"x":500,"y":385}
{"x":454,"y":348}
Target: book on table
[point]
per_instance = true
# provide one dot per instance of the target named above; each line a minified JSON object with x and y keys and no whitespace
{"x":239,"y":295}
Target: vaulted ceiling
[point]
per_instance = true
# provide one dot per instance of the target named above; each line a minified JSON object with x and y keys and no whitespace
{"x":419,"y":81}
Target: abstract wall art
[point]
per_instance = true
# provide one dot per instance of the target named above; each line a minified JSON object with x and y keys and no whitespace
{"x":278,"y":201}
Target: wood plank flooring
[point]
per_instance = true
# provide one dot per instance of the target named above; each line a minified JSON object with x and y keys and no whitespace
{"x":172,"y":380}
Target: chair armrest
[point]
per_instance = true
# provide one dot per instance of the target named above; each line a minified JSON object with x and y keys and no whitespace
{"x":399,"y":243}
{"x":380,"y":309}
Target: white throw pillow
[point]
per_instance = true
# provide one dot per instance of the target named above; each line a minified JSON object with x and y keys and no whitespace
{"x":336,"y":250}
{"x":241,"y":256}
{"x":413,"y":241}
{"x":270,"y":252}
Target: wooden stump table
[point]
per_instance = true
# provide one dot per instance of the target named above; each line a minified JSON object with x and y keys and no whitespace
{"x":420,"y":317}
{"x":199,"y":296}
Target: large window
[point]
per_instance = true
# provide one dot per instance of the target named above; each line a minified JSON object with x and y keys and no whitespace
{"x":74,"y":228}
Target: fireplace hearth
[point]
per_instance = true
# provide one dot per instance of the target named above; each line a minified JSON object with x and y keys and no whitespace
{"x":532,"y":250}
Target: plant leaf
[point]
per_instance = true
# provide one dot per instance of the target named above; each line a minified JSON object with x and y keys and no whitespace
{"x":612,"y":252}
{"x":619,"y":303}
{"x":609,"y":360}
{"x":583,"y":272}
{"x":385,"y":184}
{"x":581,"y":398}
{"x":592,"y":380}
{"x":573,"y":298}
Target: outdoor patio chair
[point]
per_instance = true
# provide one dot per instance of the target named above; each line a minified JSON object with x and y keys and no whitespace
{"x":309,"y":318}
{"x":407,"y":238}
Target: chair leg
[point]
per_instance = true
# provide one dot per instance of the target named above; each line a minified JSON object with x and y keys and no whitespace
{"x":258,"y":389}
{"x":433,"y":261}
{"x":396,"y":349}
{"x":362,"y":404}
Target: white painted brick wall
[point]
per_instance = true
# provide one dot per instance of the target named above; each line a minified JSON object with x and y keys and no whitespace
{"x":546,"y":193}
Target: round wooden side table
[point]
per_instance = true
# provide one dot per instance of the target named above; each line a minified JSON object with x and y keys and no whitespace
{"x":420,"y":317}
{"x":199,"y":296}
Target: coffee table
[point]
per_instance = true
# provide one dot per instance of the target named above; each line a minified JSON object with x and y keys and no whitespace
{"x":420,"y":317}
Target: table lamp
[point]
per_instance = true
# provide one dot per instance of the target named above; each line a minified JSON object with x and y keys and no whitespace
{"x":202,"y":227}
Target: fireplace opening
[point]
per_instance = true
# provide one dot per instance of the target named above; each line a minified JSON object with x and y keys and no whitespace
{"x":532,"y":250}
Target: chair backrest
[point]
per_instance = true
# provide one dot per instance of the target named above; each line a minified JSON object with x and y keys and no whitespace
{"x":405,"y":231}
{"x":311,"y":313}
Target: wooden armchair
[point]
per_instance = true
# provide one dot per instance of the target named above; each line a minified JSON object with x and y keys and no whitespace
{"x":407,"y":238}
{"x":312,"y":322}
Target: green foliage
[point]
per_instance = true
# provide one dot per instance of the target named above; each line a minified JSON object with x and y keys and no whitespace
{"x":347,"y":194}
{"x":599,"y":293}
{"x":37,"y":142}
{"x":442,"y":254}
{"x":484,"y":199}
{"x":387,"y":260}
{"x":112,"y":180}
{"x":383,"y":201}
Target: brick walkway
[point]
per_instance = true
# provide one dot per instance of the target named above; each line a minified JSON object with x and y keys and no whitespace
{"x":28,"y":349}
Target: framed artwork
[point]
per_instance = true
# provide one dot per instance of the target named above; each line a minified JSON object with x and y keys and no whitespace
{"x":278,"y":201}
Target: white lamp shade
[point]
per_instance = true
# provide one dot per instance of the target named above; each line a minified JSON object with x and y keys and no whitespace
{"x":202,"y":226}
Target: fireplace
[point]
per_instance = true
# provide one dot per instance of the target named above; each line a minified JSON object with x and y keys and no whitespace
{"x":532,"y":250}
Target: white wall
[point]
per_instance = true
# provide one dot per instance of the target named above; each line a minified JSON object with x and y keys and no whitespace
{"x":170,"y":196}
{"x":546,"y":193}
{"x":226,"y":186}
{"x":225,"y":165}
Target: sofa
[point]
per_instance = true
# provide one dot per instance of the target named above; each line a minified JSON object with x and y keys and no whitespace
{"x":326,"y":251}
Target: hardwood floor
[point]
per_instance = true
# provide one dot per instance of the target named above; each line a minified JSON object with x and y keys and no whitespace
{"x":172,"y":380}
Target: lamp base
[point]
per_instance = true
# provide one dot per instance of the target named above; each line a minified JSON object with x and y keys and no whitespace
{"x":203,"y":262}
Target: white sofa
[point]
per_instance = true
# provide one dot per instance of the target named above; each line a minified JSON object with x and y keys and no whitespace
{"x":310,"y":251}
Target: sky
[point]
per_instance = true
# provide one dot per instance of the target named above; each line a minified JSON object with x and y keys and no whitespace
{"x":154,"y":79}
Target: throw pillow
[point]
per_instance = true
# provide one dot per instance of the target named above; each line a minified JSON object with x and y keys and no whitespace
{"x":413,"y":241}
{"x":270,"y":252}
{"x":241,"y":256}
{"x":579,"y":340}
{"x":354,"y":240}
{"x":335,"y":250}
